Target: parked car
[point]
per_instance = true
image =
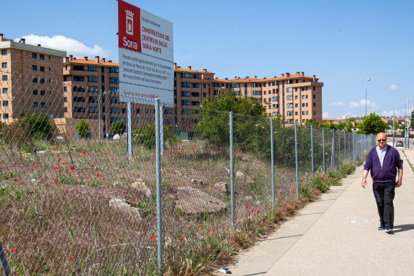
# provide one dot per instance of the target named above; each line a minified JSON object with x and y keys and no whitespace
{"x":399,"y":144}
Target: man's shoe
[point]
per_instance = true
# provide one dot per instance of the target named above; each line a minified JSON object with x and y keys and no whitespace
{"x":381,"y":228}
{"x":389,"y":231}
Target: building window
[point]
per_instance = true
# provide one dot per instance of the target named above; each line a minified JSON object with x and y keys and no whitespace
{"x":41,"y":80}
{"x":4,"y":78}
{"x":65,"y":99}
{"x":65,"y":109}
{"x":185,"y":94}
{"x":5,"y":90}
{"x":4,"y":65}
{"x":257,"y":93}
{"x":5,"y":103}
{"x":42,"y":105}
{"x":78,"y":78}
{"x":42,"y":57}
{"x":289,"y":105}
{"x":115,"y":110}
{"x":92,"y":79}
{"x":3,"y":52}
{"x":65,"y":89}
{"x":92,"y":68}
{"x":93,"y":99}
{"x":34,"y":55}
{"x":42,"y":69}
{"x":92,"y":89}
{"x":35,"y":104}
{"x":35,"y":92}
{"x":78,"y":109}
{"x":78,"y":68}
{"x":93,"y":109}
{"x":6,"y":116}
{"x":34,"y":68}
{"x":114,"y":100}
{"x":289,"y":98}
{"x":79,"y":99}
{"x":114,"y":90}
{"x":42,"y":92}
{"x":289,"y":89}
{"x":113,"y":80}
{"x":113,"y":70}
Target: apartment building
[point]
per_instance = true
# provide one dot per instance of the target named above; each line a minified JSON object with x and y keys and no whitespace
{"x":30,"y":80}
{"x":191,"y":88}
{"x":292,"y":97}
{"x":91,"y":92}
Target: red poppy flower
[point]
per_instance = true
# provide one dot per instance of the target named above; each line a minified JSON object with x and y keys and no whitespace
{"x":138,"y":175}
{"x":59,"y":159}
{"x":34,"y":163}
{"x":200,"y":227}
{"x":72,"y":168}
{"x":66,"y":191}
{"x":56,"y":169}
{"x":93,"y":166}
{"x":71,"y":257}
{"x":65,"y":163}
{"x":14,"y":165}
{"x":152,"y":238}
{"x":181,"y":238}
{"x":21,"y":183}
{"x":248,"y":206}
{"x":69,"y":174}
{"x":13,"y":250}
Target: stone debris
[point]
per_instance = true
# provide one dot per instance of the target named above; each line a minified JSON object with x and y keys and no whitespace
{"x":141,"y":187}
{"x":123,"y":206}
{"x":194,"y":201}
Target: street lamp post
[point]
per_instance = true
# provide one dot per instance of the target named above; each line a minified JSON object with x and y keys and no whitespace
{"x":218,"y":92}
{"x":366,"y":92}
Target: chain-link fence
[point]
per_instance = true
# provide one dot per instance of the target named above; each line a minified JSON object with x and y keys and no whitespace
{"x":74,"y":202}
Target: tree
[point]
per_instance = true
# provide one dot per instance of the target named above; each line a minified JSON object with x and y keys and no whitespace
{"x":37,"y":126}
{"x":82,"y":128}
{"x":412,"y":120}
{"x":372,"y":124}
{"x":249,"y":121}
{"x":118,"y":127}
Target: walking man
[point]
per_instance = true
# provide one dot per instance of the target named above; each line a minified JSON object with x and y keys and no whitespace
{"x":383,"y":161}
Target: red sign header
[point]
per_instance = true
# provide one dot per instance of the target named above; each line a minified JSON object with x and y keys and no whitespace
{"x":129,"y":26}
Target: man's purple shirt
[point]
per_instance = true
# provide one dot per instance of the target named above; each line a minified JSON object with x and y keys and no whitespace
{"x":388,"y":171}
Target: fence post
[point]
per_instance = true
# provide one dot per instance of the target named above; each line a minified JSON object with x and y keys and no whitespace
{"x":353,"y":147}
{"x":3,"y":261}
{"x":158,"y":176}
{"x":272,"y":156}
{"x":311,"y":133}
{"x":129,"y":119}
{"x":162,"y":128}
{"x":345,"y":152}
{"x":339,"y":147}
{"x":323,"y":150}
{"x":333,"y":149}
{"x":296,"y":159}
{"x":231,"y":170}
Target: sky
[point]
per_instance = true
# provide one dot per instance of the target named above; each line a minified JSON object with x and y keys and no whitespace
{"x":344,"y":43}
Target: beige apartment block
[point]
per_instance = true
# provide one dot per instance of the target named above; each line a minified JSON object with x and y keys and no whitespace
{"x":30,"y":80}
{"x":191,"y":88}
{"x":292,"y":97}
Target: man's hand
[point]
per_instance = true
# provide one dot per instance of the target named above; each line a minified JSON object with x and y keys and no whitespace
{"x":364,"y":182}
{"x":398,"y":184}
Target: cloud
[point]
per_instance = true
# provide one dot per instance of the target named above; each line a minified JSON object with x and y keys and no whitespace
{"x":336,"y":104}
{"x":361,"y":103}
{"x":393,"y":87}
{"x":70,"y":45}
{"x":348,"y":115}
{"x":325,"y":115}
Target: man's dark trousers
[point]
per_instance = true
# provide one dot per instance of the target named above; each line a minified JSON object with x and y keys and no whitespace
{"x":384,"y":193}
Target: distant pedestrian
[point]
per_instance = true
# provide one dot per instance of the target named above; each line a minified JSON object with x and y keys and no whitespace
{"x":384,"y":162}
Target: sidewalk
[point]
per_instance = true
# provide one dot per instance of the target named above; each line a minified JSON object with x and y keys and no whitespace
{"x":338,"y":235}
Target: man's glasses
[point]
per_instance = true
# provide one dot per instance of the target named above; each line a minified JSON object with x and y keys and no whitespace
{"x":381,"y":140}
